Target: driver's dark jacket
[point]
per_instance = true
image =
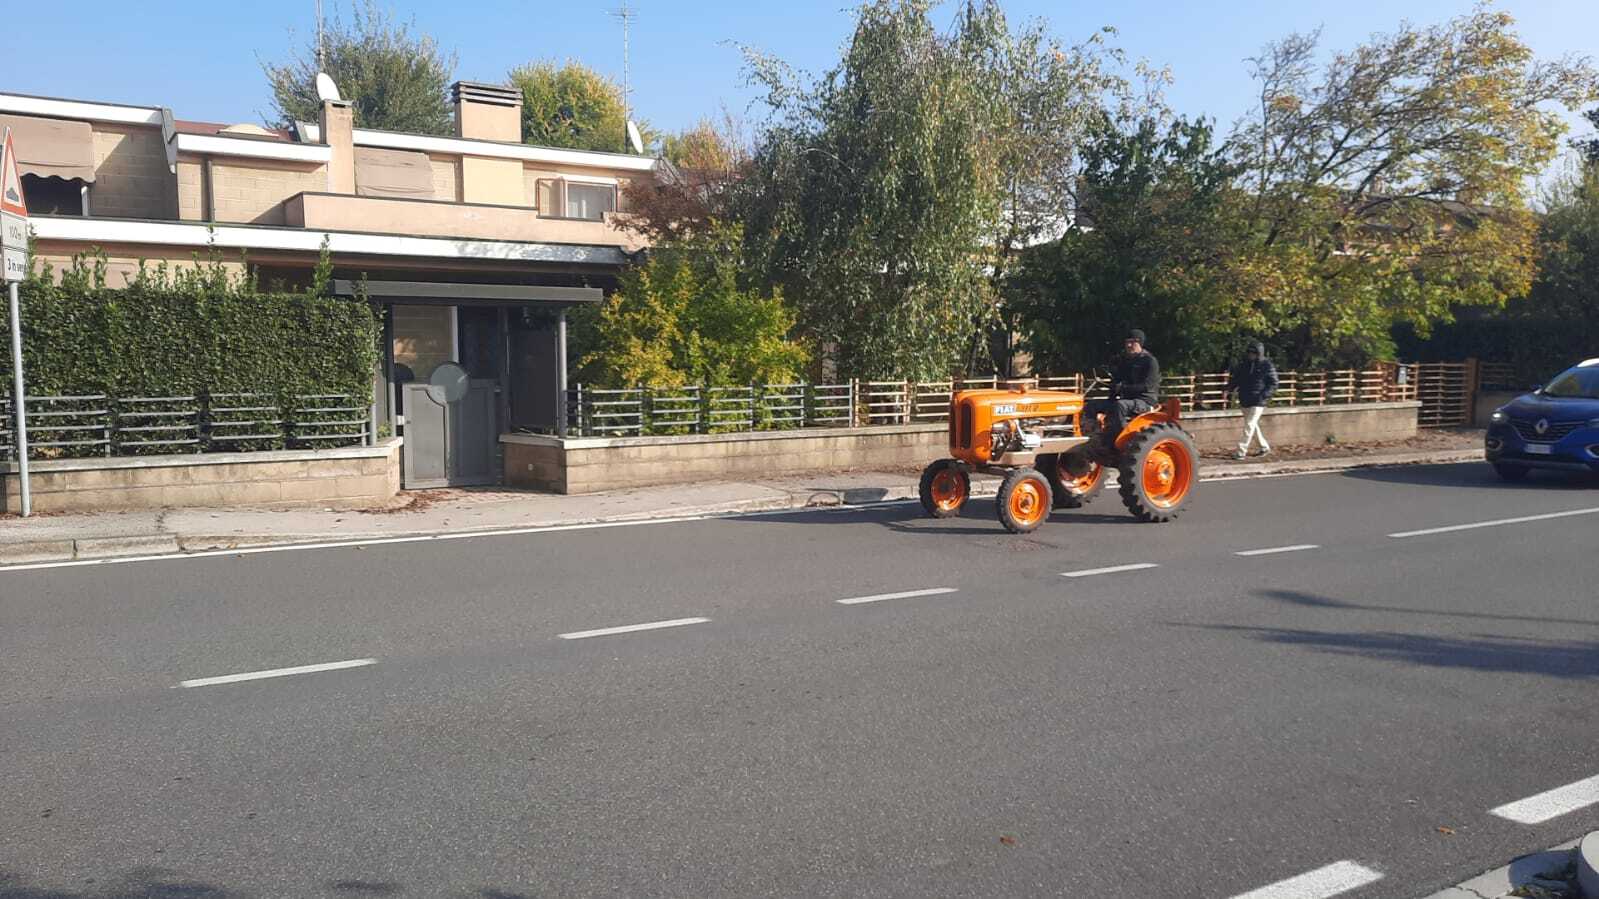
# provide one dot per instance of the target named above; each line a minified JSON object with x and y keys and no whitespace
{"x":1137,"y":378}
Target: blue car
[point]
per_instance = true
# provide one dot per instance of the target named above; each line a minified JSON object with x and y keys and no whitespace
{"x":1554,"y":427}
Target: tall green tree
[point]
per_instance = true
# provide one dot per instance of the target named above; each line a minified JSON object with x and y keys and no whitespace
{"x":571,"y":105}
{"x":1149,"y":249}
{"x":707,"y":146}
{"x":686,"y":317}
{"x":1390,"y":185}
{"x":1589,"y":146}
{"x":878,"y":195}
{"x":1566,"y":289}
{"x":395,"y":80}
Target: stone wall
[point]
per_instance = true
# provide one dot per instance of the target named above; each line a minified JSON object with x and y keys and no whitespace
{"x":1307,"y":425}
{"x":595,"y":464}
{"x":348,"y":477}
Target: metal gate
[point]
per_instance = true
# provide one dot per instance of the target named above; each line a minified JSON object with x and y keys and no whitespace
{"x":450,"y":444}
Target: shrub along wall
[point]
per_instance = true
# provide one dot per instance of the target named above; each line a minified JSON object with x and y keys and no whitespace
{"x":189,"y":331}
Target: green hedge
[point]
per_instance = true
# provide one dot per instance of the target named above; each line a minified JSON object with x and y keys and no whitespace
{"x":185,"y":331}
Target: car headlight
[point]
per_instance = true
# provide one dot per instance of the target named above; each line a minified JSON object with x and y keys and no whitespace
{"x":1499,"y":417}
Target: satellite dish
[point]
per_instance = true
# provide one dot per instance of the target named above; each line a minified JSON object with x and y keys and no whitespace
{"x":326,"y":89}
{"x":634,"y":139}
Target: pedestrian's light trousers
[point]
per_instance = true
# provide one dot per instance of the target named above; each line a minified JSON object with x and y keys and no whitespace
{"x":1252,"y":429}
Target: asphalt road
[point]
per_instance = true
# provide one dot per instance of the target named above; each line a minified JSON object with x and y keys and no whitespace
{"x":1210,"y":726}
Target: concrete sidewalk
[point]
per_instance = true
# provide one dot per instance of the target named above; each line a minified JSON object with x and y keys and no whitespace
{"x":102,"y":535}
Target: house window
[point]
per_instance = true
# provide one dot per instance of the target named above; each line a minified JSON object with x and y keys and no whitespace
{"x":561,"y":198}
{"x":589,"y":201}
{"x":55,"y":196}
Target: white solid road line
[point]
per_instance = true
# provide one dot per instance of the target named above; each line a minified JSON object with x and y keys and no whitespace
{"x":879,"y":597}
{"x":1298,"y":547}
{"x":276,"y":672}
{"x":630,"y":628}
{"x":1552,"y":804}
{"x":1496,"y":523}
{"x":1332,"y":880}
{"x":1114,"y":569}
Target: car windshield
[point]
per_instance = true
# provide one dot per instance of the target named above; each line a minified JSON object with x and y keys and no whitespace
{"x":1578,"y":383}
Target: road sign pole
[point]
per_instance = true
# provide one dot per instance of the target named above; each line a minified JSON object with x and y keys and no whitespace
{"x":18,"y":399}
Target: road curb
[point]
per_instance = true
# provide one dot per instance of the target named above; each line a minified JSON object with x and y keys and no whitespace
{"x":26,"y":552}
{"x":36,"y":551}
{"x":1286,"y":467}
{"x":111,"y":547}
{"x":1506,"y":882}
{"x":29,"y":552}
{"x":1588,"y":865}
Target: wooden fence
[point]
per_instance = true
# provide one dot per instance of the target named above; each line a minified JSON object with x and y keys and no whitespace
{"x":635,"y":411}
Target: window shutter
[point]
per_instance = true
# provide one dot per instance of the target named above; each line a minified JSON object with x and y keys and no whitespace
{"x":549,"y":197}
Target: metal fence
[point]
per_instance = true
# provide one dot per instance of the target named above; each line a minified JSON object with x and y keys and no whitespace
{"x":647,"y":411}
{"x":100,"y":425}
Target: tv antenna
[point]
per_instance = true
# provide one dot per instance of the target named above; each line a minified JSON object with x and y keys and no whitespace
{"x":626,"y":15}
{"x":321,"y":54}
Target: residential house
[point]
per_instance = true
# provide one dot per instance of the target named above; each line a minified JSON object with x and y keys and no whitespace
{"x":473,"y":245}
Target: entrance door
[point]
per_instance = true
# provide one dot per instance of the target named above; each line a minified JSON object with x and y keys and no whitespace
{"x":451,"y":409}
{"x":450,"y":442}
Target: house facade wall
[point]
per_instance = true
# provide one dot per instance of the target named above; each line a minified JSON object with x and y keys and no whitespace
{"x":132,"y":179}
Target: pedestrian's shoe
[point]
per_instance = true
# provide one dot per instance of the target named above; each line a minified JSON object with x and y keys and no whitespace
{"x":1239,"y":454}
{"x":1265,"y":451}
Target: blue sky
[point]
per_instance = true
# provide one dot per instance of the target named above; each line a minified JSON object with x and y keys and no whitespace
{"x":201,"y":58}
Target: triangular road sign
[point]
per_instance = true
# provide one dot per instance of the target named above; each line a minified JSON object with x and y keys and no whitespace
{"x":11,"y":198}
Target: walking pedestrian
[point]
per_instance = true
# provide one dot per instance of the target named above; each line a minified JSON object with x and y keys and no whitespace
{"x":1254,"y":380}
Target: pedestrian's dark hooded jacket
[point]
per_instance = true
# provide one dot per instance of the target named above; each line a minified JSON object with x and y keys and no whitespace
{"x":1138,"y":378}
{"x":1255,"y":381}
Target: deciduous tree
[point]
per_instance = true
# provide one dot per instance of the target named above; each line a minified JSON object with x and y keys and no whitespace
{"x":1391,"y":184}
{"x":395,"y":80}
{"x":686,"y":317}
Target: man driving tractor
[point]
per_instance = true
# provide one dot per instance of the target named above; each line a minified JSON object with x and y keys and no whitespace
{"x":1134,"y":389}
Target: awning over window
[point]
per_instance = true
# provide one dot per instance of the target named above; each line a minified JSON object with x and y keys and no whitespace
{"x":393,"y":173}
{"x":52,"y":148}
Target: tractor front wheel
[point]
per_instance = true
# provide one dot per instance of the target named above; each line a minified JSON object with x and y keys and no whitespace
{"x":1024,"y":500}
{"x":1159,"y":469}
{"x":944,"y":488}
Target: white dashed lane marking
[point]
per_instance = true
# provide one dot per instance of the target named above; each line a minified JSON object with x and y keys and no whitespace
{"x":1300,"y":547}
{"x":1551,"y":804}
{"x":1498,"y":522}
{"x":276,"y":672}
{"x":1114,"y":569}
{"x":908,"y":594}
{"x":1331,"y":880}
{"x":632,"y":628}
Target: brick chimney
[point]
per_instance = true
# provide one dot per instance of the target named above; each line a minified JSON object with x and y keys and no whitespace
{"x":489,"y":112}
{"x":338,"y":132}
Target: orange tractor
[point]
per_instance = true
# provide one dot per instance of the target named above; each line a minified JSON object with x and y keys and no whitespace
{"x":1036,"y":440}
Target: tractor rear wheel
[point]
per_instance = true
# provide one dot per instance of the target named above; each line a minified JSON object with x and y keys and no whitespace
{"x":1074,"y":477}
{"x":1024,"y":500}
{"x":944,"y":488}
{"x":1158,"y":471}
